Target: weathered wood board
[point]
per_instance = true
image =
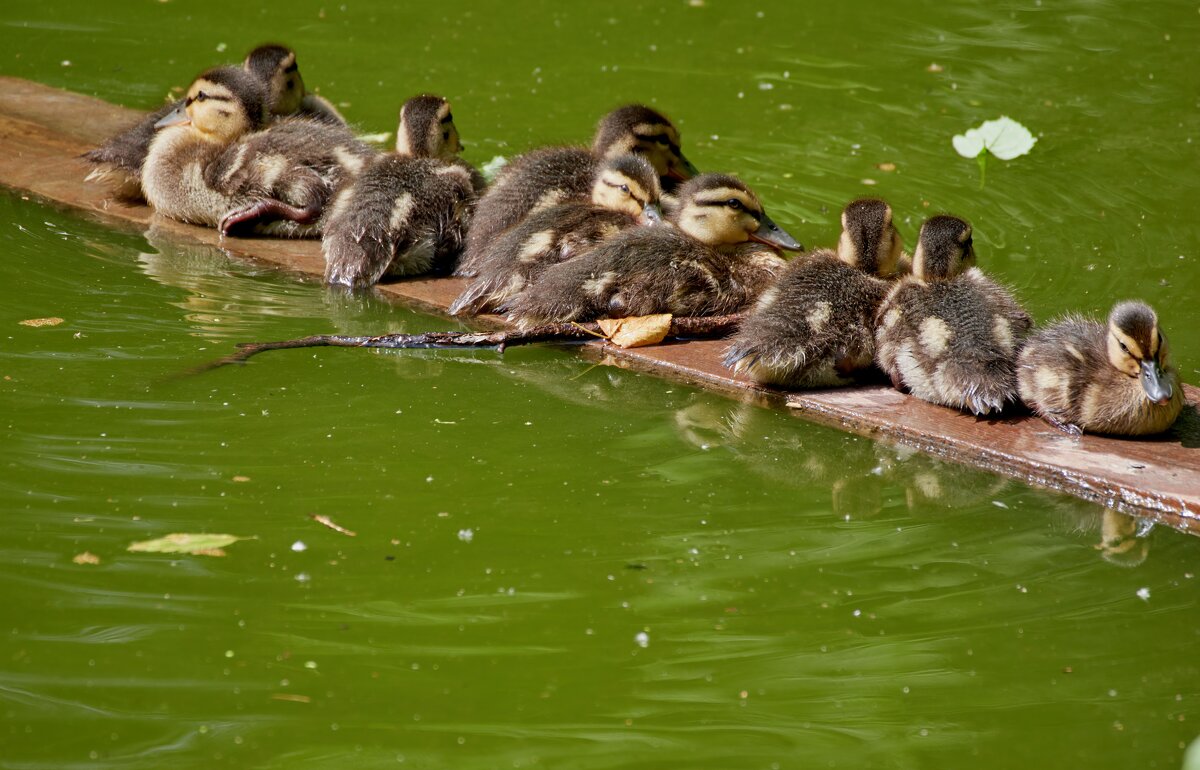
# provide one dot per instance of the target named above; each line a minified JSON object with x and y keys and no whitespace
{"x":43,"y":131}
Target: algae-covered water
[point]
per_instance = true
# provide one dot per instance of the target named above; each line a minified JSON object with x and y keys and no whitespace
{"x":564,"y":565}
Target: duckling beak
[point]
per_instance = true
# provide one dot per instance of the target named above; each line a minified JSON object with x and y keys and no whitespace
{"x":684,"y":171}
{"x":176,"y":117}
{"x":651,"y":215}
{"x":773,"y":235}
{"x":1158,"y":388}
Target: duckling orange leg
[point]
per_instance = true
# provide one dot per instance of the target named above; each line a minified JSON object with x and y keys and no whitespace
{"x":269,"y":209}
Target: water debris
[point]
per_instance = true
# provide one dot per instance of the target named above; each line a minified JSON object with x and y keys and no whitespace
{"x":53,"y":321}
{"x":198,"y":544}
{"x":934,"y":67}
{"x":299,"y":546}
{"x":1004,"y":138}
{"x":466,"y":535}
{"x":86,"y":557}
{"x":241,"y":479}
{"x":887,"y":166}
{"x":328,"y":522}
{"x":491,"y":169}
{"x":1143,"y":593}
{"x":290,"y":698}
{"x":642,"y":639}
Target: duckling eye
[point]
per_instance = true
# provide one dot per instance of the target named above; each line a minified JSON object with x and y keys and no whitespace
{"x":625,"y":189}
{"x":201,"y":96}
{"x":1124,"y":349}
{"x":734,"y":204}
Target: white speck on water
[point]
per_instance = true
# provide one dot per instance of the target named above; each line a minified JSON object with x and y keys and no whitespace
{"x":466,"y":535}
{"x":221,"y":47}
{"x":999,"y":504}
{"x":1112,"y":693}
{"x":642,"y":639}
{"x":1143,"y":593}
{"x":302,"y":577}
{"x":310,"y":664}
{"x":765,"y":86}
{"x":299,"y":546}
{"x":857,"y":613}
{"x":66,"y":62}
{"x":429,"y":479}
{"x":229,"y":653}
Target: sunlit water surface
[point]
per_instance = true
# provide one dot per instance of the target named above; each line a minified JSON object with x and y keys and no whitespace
{"x":565,"y":565}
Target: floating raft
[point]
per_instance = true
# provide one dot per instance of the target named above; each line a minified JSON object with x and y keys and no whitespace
{"x":43,"y":131}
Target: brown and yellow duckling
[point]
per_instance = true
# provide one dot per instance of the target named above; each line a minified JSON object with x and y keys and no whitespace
{"x":554,"y":175}
{"x":949,"y":334}
{"x":213,"y":163}
{"x":407,"y":212}
{"x":704,"y":265}
{"x":119,"y":160}
{"x":1080,"y":376}
{"x":275,"y":65}
{"x":815,"y":327}
{"x":625,"y":192}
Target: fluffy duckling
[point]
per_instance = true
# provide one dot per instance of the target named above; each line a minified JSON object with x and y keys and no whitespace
{"x":209,"y":164}
{"x":948,"y":333}
{"x":554,"y":175}
{"x":1080,"y":376}
{"x":815,"y":327}
{"x":703,"y":265}
{"x":275,"y":65}
{"x":625,"y":192}
{"x":406,"y":213}
{"x":118,"y":162}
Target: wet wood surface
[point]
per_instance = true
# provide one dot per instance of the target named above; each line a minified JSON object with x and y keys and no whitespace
{"x":43,"y":131}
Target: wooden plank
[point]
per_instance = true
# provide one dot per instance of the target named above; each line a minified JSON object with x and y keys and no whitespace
{"x":44,"y":130}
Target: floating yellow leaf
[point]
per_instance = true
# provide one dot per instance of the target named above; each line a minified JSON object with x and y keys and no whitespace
{"x":241,"y":479}
{"x":86,"y":558}
{"x":886,"y":166}
{"x":41,"y":322}
{"x":287,"y":696}
{"x":637,"y":331}
{"x":202,"y":544}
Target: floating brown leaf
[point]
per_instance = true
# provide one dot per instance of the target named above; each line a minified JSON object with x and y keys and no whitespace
{"x":86,"y":558}
{"x":637,"y":331}
{"x":41,"y":322}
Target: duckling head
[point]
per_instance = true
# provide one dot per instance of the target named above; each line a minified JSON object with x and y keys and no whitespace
{"x":944,"y":248}
{"x":630,"y":184}
{"x":720,"y":210}
{"x":1137,"y":347}
{"x":869,"y":240}
{"x":275,"y":65}
{"x":221,"y":104}
{"x":640,"y":130}
{"x":427,"y":129}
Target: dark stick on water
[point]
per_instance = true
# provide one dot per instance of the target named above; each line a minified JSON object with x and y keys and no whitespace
{"x":698,"y":327}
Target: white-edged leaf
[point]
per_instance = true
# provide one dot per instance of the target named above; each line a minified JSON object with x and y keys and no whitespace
{"x":1004,"y":137}
{"x":187,"y":542}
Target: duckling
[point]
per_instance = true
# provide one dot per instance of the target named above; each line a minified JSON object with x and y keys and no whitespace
{"x":700,"y":266}
{"x":554,"y":175}
{"x":406,"y":213}
{"x":815,"y":327}
{"x":275,"y":65}
{"x":210,"y":164}
{"x":118,"y":162}
{"x":948,"y":333}
{"x":625,"y":192}
{"x":1080,"y":376}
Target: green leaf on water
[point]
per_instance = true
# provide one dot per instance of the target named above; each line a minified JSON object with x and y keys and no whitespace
{"x":1004,"y":137}
{"x":187,"y":542}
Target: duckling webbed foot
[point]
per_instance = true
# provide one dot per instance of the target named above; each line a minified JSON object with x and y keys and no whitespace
{"x":1066,"y":427}
{"x":268,"y":209}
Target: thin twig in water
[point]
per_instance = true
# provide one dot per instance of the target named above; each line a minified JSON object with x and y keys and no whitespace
{"x":681,"y":328}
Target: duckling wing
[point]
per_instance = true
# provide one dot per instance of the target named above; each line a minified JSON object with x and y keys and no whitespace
{"x":535,"y":180}
{"x":522,"y":252}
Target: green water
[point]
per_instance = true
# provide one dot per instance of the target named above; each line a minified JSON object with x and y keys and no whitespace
{"x":566,"y":565}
